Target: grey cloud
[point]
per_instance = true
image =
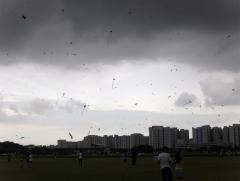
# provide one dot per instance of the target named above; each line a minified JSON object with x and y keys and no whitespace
{"x":35,"y":106}
{"x":112,"y":121}
{"x":187,"y":99}
{"x":72,"y":105}
{"x":14,"y":108}
{"x":107,"y":31}
{"x":220,"y":93}
{"x":39,"y":106}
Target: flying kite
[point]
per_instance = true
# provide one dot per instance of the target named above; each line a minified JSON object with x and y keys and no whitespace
{"x":70,"y":135}
{"x":113,"y":82}
{"x":24,"y":17}
{"x":189,"y":102}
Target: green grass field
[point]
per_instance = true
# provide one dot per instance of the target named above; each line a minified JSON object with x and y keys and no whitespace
{"x":112,"y":169}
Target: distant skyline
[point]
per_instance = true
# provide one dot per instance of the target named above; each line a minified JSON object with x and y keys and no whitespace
{"x":72,"y":139}
{"x":77,"y":66}
{"x":190,"y":136}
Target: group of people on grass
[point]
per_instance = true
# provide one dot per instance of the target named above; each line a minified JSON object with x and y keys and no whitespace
{"x":27,"y":159}
{"x":166,"y":164}
{"x":164,"y":159}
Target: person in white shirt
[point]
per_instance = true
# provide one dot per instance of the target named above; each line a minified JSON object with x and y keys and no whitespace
{"x":80,"y":159}
{"x":165,"y":164}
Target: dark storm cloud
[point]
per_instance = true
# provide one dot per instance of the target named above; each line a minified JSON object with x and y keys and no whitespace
{"x":69,"y":32}
{"x":14,"y":29}
{"x":220,"y":93}
{"x":147,"y":17}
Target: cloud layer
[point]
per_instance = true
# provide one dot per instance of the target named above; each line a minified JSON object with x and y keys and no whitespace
{"x":41,"y":107}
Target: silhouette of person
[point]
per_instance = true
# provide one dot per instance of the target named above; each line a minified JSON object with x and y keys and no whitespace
{"x":24,"y":159}
{"x":134,"y":157}
{"x":178,"y":167}
{"x":30,"y":160}
{"x":9,"y":157}
{"x":125,"y":157}
{"x":80,"y":159}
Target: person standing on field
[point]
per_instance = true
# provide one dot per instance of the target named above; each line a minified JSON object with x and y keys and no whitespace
{"x":22,"y":159}
{"x":30,"y":159}
{"x":178,"y":167}
{"x":9,"y":157}
{"x":134,"y":157}
{"x":165,"y":164}
{"x":125,"y":157}
{"x":80,"y":159}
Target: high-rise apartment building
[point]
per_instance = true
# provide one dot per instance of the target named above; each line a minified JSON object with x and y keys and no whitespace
{"x":225,"y":138}
{"x":217,"y":135}
{"x":162,"y":136}
{"x":156,"y":137}
{"x":136,"y":139}
{"x":184,"y":136}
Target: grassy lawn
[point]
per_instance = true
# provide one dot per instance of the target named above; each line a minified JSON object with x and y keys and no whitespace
{"x":112,"y":169}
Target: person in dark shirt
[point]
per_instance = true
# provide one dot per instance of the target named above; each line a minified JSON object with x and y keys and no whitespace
{"x":125,"y":157}
{"x":9,"y":157}
{"x":134,"y":157}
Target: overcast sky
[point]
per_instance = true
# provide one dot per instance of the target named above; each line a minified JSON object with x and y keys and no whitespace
{"x":121,"y":66}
